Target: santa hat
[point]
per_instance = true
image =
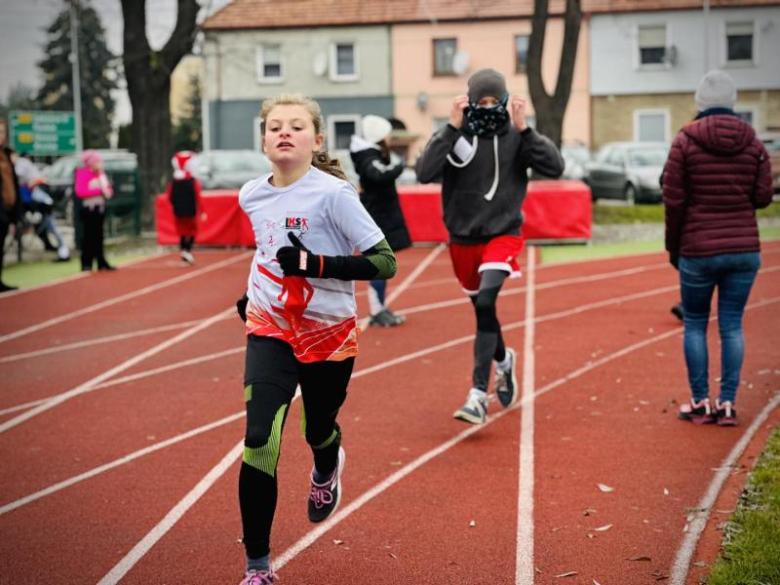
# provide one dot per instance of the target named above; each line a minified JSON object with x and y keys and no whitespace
{"x":181,"y":164}
{"x":90,"y":158}
{"x":376,"y":129}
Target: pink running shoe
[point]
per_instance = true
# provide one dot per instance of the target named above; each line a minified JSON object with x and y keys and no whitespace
{"x":699,"y":413}
{"x":259,"y":578}
{"x":725,"y":414}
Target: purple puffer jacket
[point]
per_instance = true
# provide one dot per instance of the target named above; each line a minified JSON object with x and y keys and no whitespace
{"x":716,"y":176}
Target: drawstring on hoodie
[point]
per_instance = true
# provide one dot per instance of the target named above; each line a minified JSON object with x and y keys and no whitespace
{"x":474,"y":144}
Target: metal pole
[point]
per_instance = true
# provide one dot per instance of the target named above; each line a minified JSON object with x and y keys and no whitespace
{"x":75,"y":70}
{"x":706,"y":36}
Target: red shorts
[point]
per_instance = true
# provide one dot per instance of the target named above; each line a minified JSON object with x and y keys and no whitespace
{"x":469,"y":260}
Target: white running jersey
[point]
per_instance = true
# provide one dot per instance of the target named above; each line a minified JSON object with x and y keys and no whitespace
{"x":315,"y":316}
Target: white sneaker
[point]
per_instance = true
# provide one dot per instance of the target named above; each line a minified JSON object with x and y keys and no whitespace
{"x":187,"y":257}
{"x":474,"y":411}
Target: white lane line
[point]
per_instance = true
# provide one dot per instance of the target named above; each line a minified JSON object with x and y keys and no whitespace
{"x":73,"y":277}
{"x":96,"y":341}
{"x":363,"y":323}
{"x":462,"y":300}
{"x":524,"y":568}
{"x":137,"y":376}
{"x":151,"y":538}
{"x":122,"y":298}
{"x":89,"y":385}
{"x":117,"y":463}
{"x":420,"y":353}
{"x":682,"y":561}
{"x":135,"y":555}
{"x":311,"y":536}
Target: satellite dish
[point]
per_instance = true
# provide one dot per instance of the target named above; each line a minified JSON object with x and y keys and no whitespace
{"x":320,"y":64}
{"x":460,"y":62}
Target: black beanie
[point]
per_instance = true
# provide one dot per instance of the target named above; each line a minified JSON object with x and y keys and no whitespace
{"x":486,"y":82}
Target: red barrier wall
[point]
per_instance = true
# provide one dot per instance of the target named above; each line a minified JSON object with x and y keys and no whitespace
{"x":553,"y":210}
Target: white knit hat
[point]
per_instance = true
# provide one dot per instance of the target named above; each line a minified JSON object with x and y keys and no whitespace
{"x":716,"y":90}
{"x":376,"y":129}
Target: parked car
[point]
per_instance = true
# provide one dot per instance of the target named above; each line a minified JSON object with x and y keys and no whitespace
{"x":630,"y":171}
{"x":771,"y":141}
{"x":228,"y":169}
{"x":576,"y":157}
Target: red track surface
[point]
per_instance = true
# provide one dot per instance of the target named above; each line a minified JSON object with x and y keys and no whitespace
{"x":601,"y":417}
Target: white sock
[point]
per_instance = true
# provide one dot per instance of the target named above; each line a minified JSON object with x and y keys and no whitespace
{"x":504,"y":365}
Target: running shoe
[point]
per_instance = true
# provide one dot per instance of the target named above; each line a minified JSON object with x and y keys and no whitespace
{"x":324,"y":497}
{"x":699,"y":413}
{"x":506,"y":381}
{"x":386,"y":318}
{"x":725,"y":414}
{"x":677,"y":311}
{"x":259,"y":578}
{"x":474,"y":411}
{"x":187,"y":257}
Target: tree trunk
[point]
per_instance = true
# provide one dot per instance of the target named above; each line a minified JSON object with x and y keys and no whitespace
{"x":148,"y":75}
{"x":550,"y":109}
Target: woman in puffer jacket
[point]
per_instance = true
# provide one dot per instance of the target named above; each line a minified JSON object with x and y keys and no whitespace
{"x":717,"y":175}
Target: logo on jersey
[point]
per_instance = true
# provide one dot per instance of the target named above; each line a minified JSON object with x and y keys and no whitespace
{"x":296,"y":223}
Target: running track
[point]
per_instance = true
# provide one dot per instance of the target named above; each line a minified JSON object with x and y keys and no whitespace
{"x":121,"y":418}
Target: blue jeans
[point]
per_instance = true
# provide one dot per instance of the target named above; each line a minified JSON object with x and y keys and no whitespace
{"x":733,"y":275}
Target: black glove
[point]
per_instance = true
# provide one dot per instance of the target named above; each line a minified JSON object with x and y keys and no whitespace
{"x":297,"y":260}
{"x":674,"y":260}
{"x":241,"y":307}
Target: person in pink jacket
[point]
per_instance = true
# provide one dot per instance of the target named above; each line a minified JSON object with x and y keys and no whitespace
{"x":92,"y":189}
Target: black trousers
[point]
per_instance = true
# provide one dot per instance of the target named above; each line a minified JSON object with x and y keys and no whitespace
{"x":271,"y":377}
{"x":92,"y":239}
{"x":4,"y":227}
{"x":489,"y":343}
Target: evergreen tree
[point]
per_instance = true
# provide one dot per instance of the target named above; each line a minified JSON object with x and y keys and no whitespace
{"x":97,"y":71}
{"x":20,"y":97}
{"x":188,"y":132}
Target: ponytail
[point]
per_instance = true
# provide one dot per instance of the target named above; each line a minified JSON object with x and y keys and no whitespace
{"x":321,"y":160}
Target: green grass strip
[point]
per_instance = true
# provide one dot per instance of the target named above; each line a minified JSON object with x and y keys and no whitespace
{"x":751,"y":547}
{"x":25,"y":275}
{"x":576,"y":252}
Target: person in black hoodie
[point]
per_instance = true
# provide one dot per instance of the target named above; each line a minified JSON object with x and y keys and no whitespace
{"x":482,"y":158}
{"x":378,"y":168}
{"x":10,"y":200}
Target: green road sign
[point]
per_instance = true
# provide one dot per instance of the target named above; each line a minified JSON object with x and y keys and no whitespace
{"x":43,"y":133}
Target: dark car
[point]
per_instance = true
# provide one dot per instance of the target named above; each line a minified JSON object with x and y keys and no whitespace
{"x":630,"y":171}
{"x":228,"y":169}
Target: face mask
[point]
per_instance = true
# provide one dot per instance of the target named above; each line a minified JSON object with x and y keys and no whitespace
{"x":485,"y":122}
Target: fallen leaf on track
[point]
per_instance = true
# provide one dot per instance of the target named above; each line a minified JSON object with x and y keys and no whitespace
{"x":569,"y":574}
{"x":338,"y":542}
{"x":473,"y":523}
{"x":666,"y":492}
{"x":603,"y":528}
{"x":605,"y":488}
{"x":588,"y":512}
{"x":639,"y":559}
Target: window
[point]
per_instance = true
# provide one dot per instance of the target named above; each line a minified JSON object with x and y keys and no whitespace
{"x":748,"y":114}
{"x":443,"y":55}
{"x":340,"y":131}
{"x":652,"y":44}
{"x":343,"y":62}
{"x":521,"y":52}
{"x":439,"y":123}
{"x":739,"y":41}
{"x":651,"y":125}
{"x":269,"y":63}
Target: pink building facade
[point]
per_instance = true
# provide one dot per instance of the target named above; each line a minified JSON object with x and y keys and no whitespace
{"x":424,"y":83}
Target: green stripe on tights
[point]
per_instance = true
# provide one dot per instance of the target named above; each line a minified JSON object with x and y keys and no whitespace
{"x":266,"y":457}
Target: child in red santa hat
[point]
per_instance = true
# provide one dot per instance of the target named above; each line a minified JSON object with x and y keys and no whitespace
{"x":184,"y":193}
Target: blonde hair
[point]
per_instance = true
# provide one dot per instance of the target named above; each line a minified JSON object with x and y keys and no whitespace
{"x":320,"y":159}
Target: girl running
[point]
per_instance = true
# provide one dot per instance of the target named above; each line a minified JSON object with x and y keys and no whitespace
{"x":300,"y":313}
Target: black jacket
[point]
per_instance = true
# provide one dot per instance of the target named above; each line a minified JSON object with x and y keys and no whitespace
{"x":379,"y":196}
{"x":15,"y":213}
{"x":483,"y":190}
